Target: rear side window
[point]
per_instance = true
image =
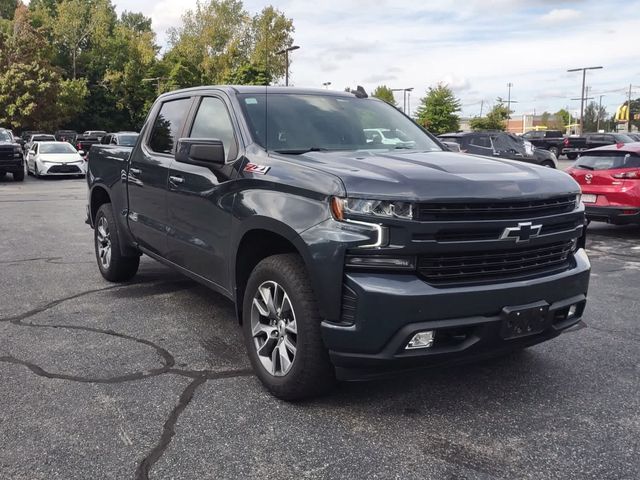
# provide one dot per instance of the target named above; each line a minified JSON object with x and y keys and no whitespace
{"x":484,"y":142}
{"x":167,"y":125}
{"x":212,"y":122}
{"x":609,"y":161}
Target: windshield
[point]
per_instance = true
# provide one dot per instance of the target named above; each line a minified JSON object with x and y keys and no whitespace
{"x":5,"y":136}
{"x":42,"y":138}
{"x":295,"y":123}
{"x":608,"y":161}
{"x":61,"y":147}
{"x":128,"y":140}
{"x":622,"y":138}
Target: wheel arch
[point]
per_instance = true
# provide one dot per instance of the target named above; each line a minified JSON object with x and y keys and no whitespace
{"x":260,"y":239}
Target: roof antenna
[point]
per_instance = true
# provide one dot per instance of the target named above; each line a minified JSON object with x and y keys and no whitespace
{"x":360,"y":92}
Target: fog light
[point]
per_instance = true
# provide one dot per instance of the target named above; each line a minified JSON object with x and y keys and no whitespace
{"x":572,"y":311}
{"x":421,"y":340}
{"x":377,"y":261}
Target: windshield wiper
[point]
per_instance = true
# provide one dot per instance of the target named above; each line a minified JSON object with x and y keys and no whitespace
{"x":301,"y":151}
{"x":586,"y":167}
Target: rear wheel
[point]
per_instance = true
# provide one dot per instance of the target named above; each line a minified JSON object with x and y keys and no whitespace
{"x":548,"y":164}
{"x":281,"y":327}
{"x":2,"y":174}
{"x":113,"y":266}
{"x":572,"y":156}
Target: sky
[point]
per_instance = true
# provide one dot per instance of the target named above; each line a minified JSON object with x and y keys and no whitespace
{"x":476,"y":47}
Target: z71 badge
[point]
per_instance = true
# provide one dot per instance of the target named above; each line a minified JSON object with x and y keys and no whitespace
{"x":254,"y":168}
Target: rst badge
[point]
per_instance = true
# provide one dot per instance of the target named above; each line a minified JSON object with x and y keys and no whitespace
{"x":255,"y":168}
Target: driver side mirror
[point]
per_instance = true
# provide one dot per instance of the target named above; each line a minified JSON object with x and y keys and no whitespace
{"x":200,"y":151}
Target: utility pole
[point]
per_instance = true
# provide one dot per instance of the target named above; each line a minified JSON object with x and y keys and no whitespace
{"x":286,"y":61}
{"x":509,"y":101}
{"x":582,"y":95}
{"x":481,"y":107}
{"x":599,"y":112}
{"x":404,"y":96}
{"x":629,"y":111}
{"x":157,"y":80}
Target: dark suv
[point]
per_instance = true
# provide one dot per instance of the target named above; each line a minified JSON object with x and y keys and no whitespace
{"x":500,"y":145}
{"x":11,"y":158}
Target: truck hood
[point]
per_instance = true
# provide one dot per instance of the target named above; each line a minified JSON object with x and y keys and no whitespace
{"x":421,"y":176}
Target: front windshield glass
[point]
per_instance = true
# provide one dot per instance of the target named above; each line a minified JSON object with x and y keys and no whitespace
{"x":42,"y":138}
{"x":128,"y":140}
{"x":61,"y":147}
{"x":5,"y":136}
{"x":294,"y":123}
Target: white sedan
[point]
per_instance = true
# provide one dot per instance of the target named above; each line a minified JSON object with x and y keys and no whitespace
{"x":55,"y":158}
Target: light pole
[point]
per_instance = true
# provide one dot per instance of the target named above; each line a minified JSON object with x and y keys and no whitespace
{"x":584,"y":77}
{"x":404,"y":96}
{"x":599,"y":111}
{"x":326,"y":85}
{"x":155,"y":79}
{"x":509,"y":101}
{"x":286,"y":61}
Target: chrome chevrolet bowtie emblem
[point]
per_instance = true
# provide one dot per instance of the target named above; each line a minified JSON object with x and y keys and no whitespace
{"x":524,"y":232}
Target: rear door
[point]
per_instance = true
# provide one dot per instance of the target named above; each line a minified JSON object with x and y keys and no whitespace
{"x":480,"y":145}
{"x":200,"y":198}
{"x":148,"y":174}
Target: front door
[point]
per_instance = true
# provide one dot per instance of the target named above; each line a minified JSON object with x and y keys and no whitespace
{"x":149,"y":172}
{"x":200,"y":199}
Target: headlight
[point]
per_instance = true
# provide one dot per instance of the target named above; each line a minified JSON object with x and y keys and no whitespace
{"x":374,"y":208}
{"x":578,"y":199}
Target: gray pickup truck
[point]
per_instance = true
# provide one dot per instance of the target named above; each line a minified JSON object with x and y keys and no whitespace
{"x":346,"y":257}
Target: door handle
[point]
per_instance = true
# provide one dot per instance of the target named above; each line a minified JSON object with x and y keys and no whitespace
{"x":135,"y":171}
{"x":176,"y":180}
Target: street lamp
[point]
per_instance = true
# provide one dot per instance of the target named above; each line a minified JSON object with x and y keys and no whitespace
{"x":286,"y":60}
{"x":582,"y":95}
{"x":404,"y":96}
{"x":326,"y":85}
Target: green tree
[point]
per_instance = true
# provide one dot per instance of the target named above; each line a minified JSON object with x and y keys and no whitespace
{"x":8,"y":8}
{"x":270,"y":32}
{"x":29,"y":85}
{"x":384,"y":93}
{"x":438,"y":110}
{"x":78,"y":23}
{"x":563,"y":117}
{"x":592,"y":112}
{"x":247,"y":75}
{"x":496,"y":119}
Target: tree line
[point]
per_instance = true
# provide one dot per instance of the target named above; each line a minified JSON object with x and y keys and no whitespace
{"x":439,"y":112}
{"x":77,"y":64}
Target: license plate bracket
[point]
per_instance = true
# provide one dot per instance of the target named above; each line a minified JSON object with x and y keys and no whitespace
{"x":524,"y":320}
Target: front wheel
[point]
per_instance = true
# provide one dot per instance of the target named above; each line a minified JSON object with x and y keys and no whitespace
{"x":113,"y":266}
{"x":18,"y":176}
{"x":572,"y":156}
{"x":555,"y":151}
{"x":548,"y":164}
{"x":281,"y":327}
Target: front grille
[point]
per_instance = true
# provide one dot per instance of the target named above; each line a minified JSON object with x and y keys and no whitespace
{"x":64,"y":169}
{"x":495,"y":210}
{"x":452,"y":269}
{"x":6,"y":153}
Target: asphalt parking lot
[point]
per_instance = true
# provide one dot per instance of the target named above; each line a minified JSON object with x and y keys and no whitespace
{"x":150,"y":379}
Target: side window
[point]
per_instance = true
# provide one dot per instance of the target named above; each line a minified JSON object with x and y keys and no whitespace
{"x":113,"y":140}
{"x":213,"y":122}
{"x":105,"y":140}
{"x":34,"y":149}
{"x":483,"y":142}
{"x":167,"y":125}
{"x":610,"y":138}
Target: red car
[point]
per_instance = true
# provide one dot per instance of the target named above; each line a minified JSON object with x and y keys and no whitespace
{"x":610,"y":181}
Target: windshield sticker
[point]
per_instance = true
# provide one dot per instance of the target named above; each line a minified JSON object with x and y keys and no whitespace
{"x":251,"y":101}
{"x":254,"y":168}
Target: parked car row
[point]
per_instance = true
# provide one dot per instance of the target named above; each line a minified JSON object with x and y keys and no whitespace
{"x":571,"y":146}
{"x":500,"y":145}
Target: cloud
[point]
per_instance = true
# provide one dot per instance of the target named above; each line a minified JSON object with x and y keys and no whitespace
{"x":560,"y":15}
{"x":455,"y":82}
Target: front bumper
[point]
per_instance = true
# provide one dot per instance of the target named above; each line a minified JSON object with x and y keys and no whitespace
{"x":615,"y":215}
{"x":61,"y":169}
{"x":11,"y":165}
{"x":391,"y":308}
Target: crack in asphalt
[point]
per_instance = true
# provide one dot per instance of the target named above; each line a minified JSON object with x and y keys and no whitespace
{"x":199,"y":377}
